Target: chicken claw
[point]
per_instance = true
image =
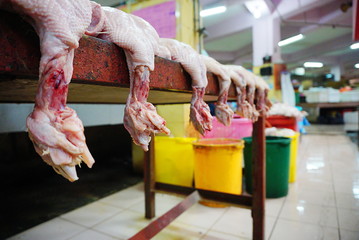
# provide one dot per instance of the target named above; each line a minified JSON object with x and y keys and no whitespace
{"x":199,"y":112}
{"x":224,"y":114}
{"x":55,"y":130}
{"x":141,"y":118}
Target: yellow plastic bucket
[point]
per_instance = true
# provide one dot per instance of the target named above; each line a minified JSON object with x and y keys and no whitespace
{"x":218,"y":164}
{"x":293,"y":157}
{"x":174,"y":160}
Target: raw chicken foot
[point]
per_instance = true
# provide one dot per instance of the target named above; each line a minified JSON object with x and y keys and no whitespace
{"x":252,"y":111}
{"x":243,"y":107}
{"x":223,"y":112}
{"x":141,"y":118}
{"x":245,"y":91}
{"x":199,"y":112}
{"x":139,"y":41}
{"x":55,"y":129}
{"x":194,"y":65}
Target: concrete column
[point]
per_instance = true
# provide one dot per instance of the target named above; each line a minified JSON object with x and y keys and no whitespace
{"x":265,"y":38}
{"x":336,"y":71}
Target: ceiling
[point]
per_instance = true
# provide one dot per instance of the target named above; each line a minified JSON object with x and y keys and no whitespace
{"x":327,"y":30}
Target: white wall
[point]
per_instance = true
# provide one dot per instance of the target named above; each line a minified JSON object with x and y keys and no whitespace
{"x":13,"y":116}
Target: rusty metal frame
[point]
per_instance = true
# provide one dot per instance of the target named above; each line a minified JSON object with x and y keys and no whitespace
{"x":149,"y":180}
{"x":159,"y":224}
{"x":256,"y":202}
{"x":232,"y":199}
{"x":259,"y":179}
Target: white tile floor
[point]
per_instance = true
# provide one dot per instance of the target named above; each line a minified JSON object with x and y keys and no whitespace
{"x":322,"y":204}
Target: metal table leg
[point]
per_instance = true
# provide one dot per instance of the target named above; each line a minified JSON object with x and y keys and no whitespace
{"x":149,"y":180}
{"x":259,"y":176}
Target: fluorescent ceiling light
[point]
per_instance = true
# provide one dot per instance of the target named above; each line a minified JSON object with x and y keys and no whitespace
{"x":290,"y":40}
{"x":354,"y":46}
{"x":299,"y":71}
{"x":257,"y":8}
{"x":213,"y":11}
{"x":313,"y":64}
{"x":356,"y":65}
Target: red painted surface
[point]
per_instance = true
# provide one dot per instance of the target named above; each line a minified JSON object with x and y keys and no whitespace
{"x":96,"y":61}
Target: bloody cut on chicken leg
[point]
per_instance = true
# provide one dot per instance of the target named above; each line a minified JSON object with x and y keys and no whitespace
{"x":140,"y":43}
{"x":54,"y":128}
{"x":223,"y":112}
{"x":192,"y":62}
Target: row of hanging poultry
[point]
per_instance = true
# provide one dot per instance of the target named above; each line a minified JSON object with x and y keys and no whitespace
{"x":54,"y":128}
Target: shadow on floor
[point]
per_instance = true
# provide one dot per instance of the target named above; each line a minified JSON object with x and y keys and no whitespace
{"x":32,"y":193}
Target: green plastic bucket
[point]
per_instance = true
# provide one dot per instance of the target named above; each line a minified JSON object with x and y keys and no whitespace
{"x":277,"y":165}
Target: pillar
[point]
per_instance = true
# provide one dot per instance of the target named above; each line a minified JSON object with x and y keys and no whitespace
{"x":265,"y":38}
{"x":336,"y":71}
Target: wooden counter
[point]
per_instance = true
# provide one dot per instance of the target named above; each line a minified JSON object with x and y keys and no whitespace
{"x":100,"y":70}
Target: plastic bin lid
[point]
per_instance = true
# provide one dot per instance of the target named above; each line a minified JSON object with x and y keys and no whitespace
{"x":270,"y":139}
{"x":218,"y":142}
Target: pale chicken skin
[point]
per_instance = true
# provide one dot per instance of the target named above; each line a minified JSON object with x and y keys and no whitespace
{"x":240,"y":86}
{"x":250,"y":97}
{"x":245,"y":85}
{"x":55,"y":130}
{"x":140,"y":43}
{"x":223,"y":112}
{"x":192,"y":62}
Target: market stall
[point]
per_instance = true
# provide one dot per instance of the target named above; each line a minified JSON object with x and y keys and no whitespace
{"x":101,"y":76}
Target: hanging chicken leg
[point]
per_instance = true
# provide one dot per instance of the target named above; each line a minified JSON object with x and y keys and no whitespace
{"x":223,"y":112}
{"x":140,"y":43}
{"x":247,"y":92}
{"x":240,"y":85}
{"x":194,"y":65}
{"x":54,"y":128}
{"x":251,"y":90}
